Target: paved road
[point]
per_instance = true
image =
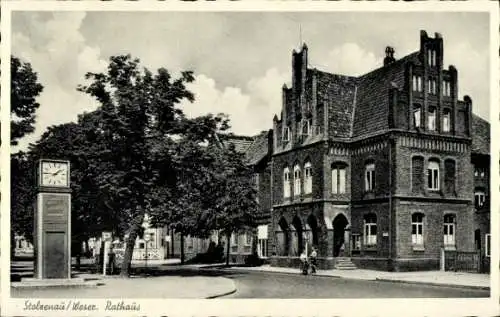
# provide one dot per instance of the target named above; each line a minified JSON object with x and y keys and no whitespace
{"x":278,"y":285}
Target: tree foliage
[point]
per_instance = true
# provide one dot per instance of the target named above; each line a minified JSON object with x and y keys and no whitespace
{"x":23,"y":105}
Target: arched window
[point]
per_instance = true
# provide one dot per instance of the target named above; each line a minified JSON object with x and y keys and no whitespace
{"x":338,"y":178}
{"x":286,"y":182}
{"x":417,"y":229}
{"x":369,"y":176}
{"x":296,"y":180}
{"x":417,"y":115}
{"x":431,"y":121}
{"x":370,"y":229}
{"x":433,"y":175}
{"x":449,"y":231}
{"x":446,"y":120}
{"x":417,"y":174}
{"x":449,"y":176}
{"x":307,"y":178}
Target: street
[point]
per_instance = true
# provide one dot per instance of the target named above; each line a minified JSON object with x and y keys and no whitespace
{"x":278,"y":285}
{"x":165,"y":282}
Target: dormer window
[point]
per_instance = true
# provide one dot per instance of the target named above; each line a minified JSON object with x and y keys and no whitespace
{"x":417,"y":83}
{"x":431,"y":57}
{"x":446,"y":88}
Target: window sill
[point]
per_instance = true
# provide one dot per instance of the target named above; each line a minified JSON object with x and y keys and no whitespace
{"x":418,"y":248}
{"x":372,"y":247}
{"x":450,"y":248}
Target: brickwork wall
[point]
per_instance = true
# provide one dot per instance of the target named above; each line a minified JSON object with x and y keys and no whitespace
{"x":381,"y":159}
{"x":433,"y":223}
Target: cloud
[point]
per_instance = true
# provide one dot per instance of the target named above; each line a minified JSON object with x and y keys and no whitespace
{"x":350,"y":59}
{"x":61,"y":62}
{"x":250,"y":110}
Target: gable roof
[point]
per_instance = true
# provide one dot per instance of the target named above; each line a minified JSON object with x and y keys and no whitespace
{"x":480,"y":135}
{"x":258,"y":149}
{"x":372,"y":101}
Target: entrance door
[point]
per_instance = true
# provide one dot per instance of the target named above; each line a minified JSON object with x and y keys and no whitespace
{"x":339,"y":224}
{"x":477,"y":239}
{"x":54,"y":259}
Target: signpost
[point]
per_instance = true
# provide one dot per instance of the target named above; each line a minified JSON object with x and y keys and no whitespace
{"x":106,"y":237}
{"x":52,"y":223}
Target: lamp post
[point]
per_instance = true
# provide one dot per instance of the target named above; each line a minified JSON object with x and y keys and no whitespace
{"x":147,"y":238}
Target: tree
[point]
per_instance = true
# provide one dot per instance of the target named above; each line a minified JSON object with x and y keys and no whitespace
{"x":232,"y":198}
{"x":24,"y":91}
{"x":135,"y":105}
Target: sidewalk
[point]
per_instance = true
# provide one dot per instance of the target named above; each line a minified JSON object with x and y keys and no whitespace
{"x":179,"y":283}
{"x":453,"y":279}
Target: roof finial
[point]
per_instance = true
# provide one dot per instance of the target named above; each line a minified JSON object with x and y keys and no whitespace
{"x":300,"y":35}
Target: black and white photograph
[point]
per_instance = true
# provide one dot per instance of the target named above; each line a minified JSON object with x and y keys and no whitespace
{"x":247,"y":154}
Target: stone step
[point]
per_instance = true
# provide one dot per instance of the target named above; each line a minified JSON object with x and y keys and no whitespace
{"x":344,"y":263}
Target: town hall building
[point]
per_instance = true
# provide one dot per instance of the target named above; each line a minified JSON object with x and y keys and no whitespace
{"x":384,"y":170}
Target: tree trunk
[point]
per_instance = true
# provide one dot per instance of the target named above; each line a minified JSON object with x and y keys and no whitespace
{"x":129,"y":246}
{"x":255,"y":238}
{"x":182,"y":248}
{"x":228,"y":247}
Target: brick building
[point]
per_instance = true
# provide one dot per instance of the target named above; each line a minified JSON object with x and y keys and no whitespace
{"x":384,"y":169}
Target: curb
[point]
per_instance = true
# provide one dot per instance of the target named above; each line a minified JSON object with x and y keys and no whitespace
{"x":484,"y":288}
{"x":487,"y":288}
{"x":232,"y":291}
{"x":221,"y":295}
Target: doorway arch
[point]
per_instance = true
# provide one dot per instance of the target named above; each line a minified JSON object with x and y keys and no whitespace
{"x":339,"y":224}
{"x":284,"y":237}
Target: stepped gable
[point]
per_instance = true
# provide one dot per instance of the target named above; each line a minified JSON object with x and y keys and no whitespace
{"x":480,"y":135}
{"x":371,"y":113}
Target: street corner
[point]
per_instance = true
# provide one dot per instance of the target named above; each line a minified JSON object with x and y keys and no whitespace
{"x":222,"y":286}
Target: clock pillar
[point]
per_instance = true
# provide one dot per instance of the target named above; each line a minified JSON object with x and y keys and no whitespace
{"x":52,"y":230}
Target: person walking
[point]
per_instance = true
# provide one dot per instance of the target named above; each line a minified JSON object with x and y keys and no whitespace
{"x":303,"y":260}
{"x":314,"y":260}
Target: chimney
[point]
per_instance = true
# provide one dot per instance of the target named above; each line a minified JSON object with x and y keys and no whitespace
{"x":389,"y":56}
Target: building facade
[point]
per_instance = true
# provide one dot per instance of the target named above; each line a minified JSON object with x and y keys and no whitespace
{"x":386,"y":169}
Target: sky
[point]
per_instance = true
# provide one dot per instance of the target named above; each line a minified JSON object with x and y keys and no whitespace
{"x":240,"y":59}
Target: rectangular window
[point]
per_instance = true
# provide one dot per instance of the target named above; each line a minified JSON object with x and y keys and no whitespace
{"x":446,"y":120}
{"x":417,"y":83}
{"x":487,"y":247}
{"x":370,"y":177}
{"x":446,"y":88}
{"x":431,"y":57}
{"x":417,"y":111}
{"x":449,"y":231}
{"x":234,"y":239}
{"x":342,"y":181}
{"x":370,"y":234}
{"x":417,"y":236}
{"x":431,"y":86}
{"x":338,"y":180}
{"x":296,"y":179}
{"x":431,"y":124}
{"x":433,"y":176}
{"x":307,"y":178}
{"x":286,"y":134}
{"x":286,"y":183}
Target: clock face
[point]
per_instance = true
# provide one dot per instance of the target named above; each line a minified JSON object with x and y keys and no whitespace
{"x":55,"y":174}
